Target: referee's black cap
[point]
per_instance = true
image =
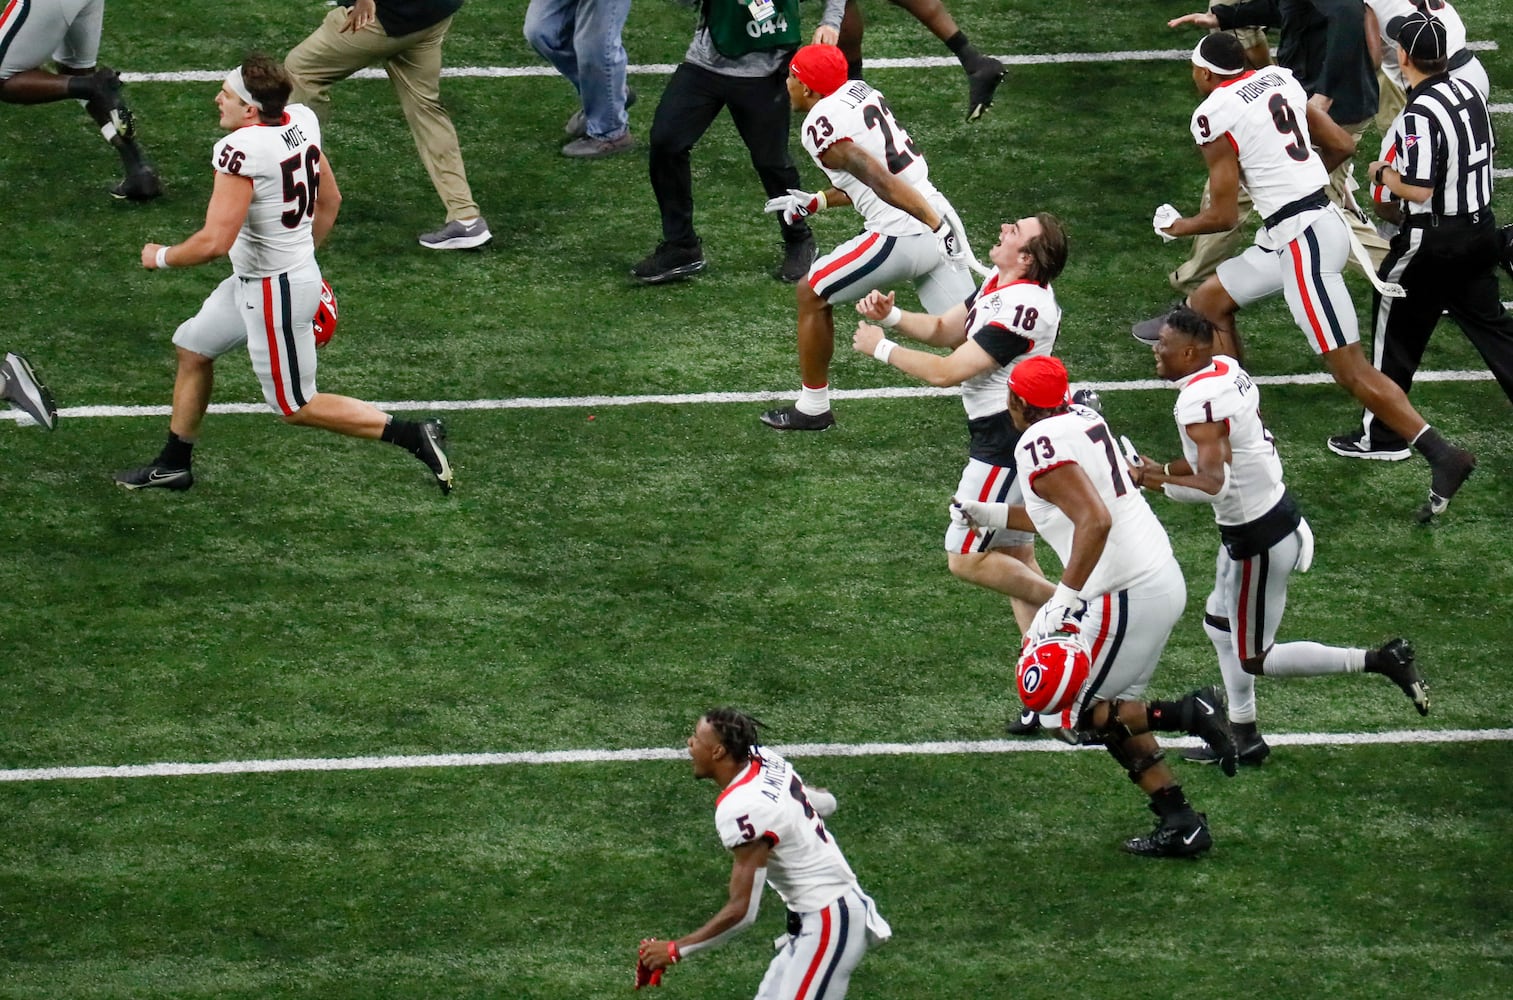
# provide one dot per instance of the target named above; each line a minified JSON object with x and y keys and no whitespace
{"x":1421,"y":36}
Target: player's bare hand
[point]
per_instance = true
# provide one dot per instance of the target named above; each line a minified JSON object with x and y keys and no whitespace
{"x":360,"y":16}
{"x":1206,"y":19}
{"x":1141,"y":472}
{"x":866,"y":338}
{"x":150,"y":256}
{"x":875,"y":305}
{"x":654,"y":954}
{"x":824,"y":35}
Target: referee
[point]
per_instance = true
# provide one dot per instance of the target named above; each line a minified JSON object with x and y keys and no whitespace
{"x":1437,"y":160}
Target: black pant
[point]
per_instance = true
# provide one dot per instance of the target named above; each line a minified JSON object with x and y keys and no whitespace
{"x":1451,"y":267}
{"x":693,"y":99}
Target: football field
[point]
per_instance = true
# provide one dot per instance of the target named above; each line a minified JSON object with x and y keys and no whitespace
{"x":313,"y":730}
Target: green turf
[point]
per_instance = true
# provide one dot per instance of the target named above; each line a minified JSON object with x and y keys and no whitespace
{"x":601,"y":575}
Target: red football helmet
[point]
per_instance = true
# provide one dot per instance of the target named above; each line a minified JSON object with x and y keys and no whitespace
{"x":325,"y":315}
{"x":1051,"y":671}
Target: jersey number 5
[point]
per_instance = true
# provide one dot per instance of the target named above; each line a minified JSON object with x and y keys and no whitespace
{"x":300,"y":192}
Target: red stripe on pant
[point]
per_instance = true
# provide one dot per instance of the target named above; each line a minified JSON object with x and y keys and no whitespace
{"x":1295,"y":250}
{"x":983,"y":497}
{"x":819,"y":955}
{"x":271,"y":328}
{"x":836,"y":265}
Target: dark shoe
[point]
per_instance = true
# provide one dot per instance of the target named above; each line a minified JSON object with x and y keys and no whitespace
{"x":1148,"y":331}
{"x":1445,"y":481}
{"x":797,"y":258}
{"x":1252,"y":751}
{"x":457,"y":235}
{"x":790,"y":419}
{"x":433,"y":439}
{"x":155,"y":477}
{"x":106,"y":104}
{"x":1357,"y":446}
{"x":1203,"y":715}
{"x":1027,"y":724}
{"x":20,"y":385}
{"x":669,"y":262}
{"x":982,"y":81}
{"x":589,"y":148}
{"x":1184,"y":835}
{"x":1394,"y":661}
{"x":139,"y":185}
{"x":577,"y":124}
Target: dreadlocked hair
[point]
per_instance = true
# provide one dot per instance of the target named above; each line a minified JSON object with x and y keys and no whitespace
{"x":736,"y":731}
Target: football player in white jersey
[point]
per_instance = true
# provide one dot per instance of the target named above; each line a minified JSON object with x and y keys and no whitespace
{"x":777,"y":836}
{"x":1013,"y":316}
{"x":68,"y":33}
{"x":1121,"y":591}
{"x":275,"y":199}
{"x":909,"y":230}
{"x":1256,"y":126}
{"x":1229,"y":460}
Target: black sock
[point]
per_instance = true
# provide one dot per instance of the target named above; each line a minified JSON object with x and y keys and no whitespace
{"x":1169,"y":801}
{"x":1165,"y":716}
{"x":1249,"y":730}
{"x":82,"y":88}
{"x":963,"y":50}
{"x":1432,"y":445}
{"x":405,"y":433}
{"x":176,"y":454}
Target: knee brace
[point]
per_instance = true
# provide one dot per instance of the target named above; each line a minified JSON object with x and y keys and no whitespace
{"x":1114,"y":731}
{"x":1139,"y":767}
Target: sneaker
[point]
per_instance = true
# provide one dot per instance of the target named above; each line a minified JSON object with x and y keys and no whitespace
{"x":20,"y":385}
{"x":1445,"y":481}
{"x":589,"y":148}
{"x":669,"y":262}
{"x":577,"y":124}
{"x":1148,"y":331}
{"x":1251,"y":751}
{"x":1184,"y":835}
{"x":1027,"y":724}
{"x":797,"y":258}
{"x":458,"y":236}
{"x":139,"y":185}
{"x":155,"y":477}
{"x":1204,"y":716}
{"x":982,"y":81}
{"x":1357,"y":445}
{"x":1394,"y":661}
{"x":433,"y":438}
{"x":107,"y":103}
{"x":790,"y":419}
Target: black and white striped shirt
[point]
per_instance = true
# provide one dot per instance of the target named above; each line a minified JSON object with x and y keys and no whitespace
{"x":1443,"y":140}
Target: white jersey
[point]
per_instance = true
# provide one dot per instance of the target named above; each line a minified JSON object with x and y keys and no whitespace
{"x":857,"y":113}
{"x":1137,"y":547}
{"x":768,"y":802}
{"x":1470,"y":69}
{"x":283,"y":163}
{"x":1264,"y":115}
{"x":1224,"y":393}
{"x":1011,"y":321}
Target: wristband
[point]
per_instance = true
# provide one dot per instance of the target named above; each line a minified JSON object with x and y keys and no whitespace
{"x":883,"y":350}
{"x":821,"y":202}
{"x":673,"y":955}
{"x":892,"y":319}
{"x":162,"y":259}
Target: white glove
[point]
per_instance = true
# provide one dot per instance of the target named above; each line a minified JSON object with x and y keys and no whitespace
{"x":953,"y":245}
{"x":796,"y":205}
{"x":1305,"y":550}
{"x":980,"y":515}
{"x":1062,"y":613}
{"x":1165,"y":216}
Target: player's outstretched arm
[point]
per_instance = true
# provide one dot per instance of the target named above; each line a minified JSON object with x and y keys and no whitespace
{"x":748,"y":873}
{"x":229,"y":201}
{"x":857,"y":162}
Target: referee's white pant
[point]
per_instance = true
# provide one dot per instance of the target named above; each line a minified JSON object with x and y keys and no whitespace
{"x":817,"y":963}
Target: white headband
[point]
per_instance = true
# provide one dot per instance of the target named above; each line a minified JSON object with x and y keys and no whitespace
{"x":237,"y":86}
{"x":1203,"y":63}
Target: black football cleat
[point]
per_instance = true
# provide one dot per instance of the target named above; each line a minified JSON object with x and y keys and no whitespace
{"x":982,"y":82}
{"x":433,"y":439}
{"x":155,"y":477}
{"x":1394,"y":661}
{"x":1250,"y":751}
{"x":1027,"y":723}
{"x":797,"y":258}
{"x":669,"y":262}
{"x":1446,"y":479}
{"x":1203,"y":715}
{"x":107,"y":105}
{"x":790,"y":419}
{"x":1183,"y":835}
{"x":139,"y":185}
{"x":20,"y":385}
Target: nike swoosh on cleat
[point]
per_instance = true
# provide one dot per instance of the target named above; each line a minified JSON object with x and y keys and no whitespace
{"x":1207,"y":709}
{"x":1188,"y":840}
{"x":157,"y":477}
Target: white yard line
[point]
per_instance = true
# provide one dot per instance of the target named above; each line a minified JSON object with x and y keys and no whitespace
{"x":796,"y":750}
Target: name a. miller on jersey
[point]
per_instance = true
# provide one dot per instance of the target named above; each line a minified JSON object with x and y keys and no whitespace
{"x":293,"y":137}
{"x":1258,"y":86}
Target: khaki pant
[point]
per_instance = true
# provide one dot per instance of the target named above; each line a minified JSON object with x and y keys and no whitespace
{"x":413,"y":63}
{"x":1212,"y":249}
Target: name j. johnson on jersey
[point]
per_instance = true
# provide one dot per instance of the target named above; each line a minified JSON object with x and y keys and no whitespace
{"x":293,"y":137}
